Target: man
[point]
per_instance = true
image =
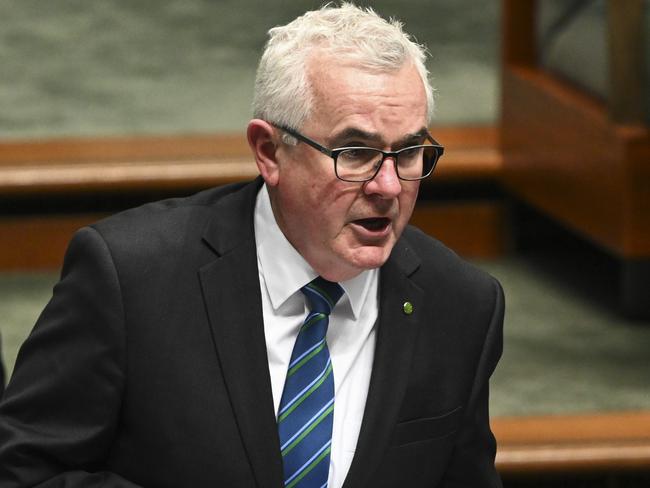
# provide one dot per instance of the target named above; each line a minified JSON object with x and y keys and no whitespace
{"x":171,"y":354}
{"x":2,"y":371}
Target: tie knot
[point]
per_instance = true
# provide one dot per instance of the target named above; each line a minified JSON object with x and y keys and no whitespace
{"x":322,"y":295}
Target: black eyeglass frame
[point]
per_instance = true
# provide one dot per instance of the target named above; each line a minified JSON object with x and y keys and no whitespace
{"x":334,"y":154}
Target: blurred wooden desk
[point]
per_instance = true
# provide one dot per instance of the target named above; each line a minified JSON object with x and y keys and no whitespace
{"x":573,"y":443}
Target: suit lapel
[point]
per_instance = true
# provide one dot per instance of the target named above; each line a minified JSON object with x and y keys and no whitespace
{"x":396,"y":334}
{"x":232,"y":297}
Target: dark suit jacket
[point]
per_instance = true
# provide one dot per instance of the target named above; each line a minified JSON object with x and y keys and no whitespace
{"x":2,"y":371}
{"x":149,"y":364}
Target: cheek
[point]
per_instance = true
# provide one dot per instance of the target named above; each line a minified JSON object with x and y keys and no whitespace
{"x":334,"y":202}
{"x":407,"y":203}
{"x":314,"y":211}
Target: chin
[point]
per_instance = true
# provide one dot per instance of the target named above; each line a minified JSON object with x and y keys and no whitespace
{"x":369,"y":257}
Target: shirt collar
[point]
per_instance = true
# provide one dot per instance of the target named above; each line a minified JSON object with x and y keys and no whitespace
{"x":285,"y":271}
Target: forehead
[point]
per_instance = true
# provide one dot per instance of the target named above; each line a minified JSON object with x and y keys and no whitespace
{"x":348,"y":96}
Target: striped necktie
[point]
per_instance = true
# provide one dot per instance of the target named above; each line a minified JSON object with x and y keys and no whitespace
{"x":307,"y":405}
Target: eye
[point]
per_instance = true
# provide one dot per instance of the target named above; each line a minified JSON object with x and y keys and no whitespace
{"x":359,"y":155}
{"x":353,"y":153}
{"x":410,"y":152}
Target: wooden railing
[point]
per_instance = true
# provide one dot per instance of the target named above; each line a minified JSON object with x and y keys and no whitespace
{"x":581,"y":160}
{"x":164,"y":163}
{"x":574,"y":443}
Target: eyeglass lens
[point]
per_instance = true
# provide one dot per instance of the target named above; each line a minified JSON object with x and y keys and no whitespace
{"x":361,"y":164}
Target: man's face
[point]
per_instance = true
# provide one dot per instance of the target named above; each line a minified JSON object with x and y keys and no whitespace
{"x":343,"y":228}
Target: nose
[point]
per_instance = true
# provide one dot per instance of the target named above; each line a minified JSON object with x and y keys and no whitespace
{"x":386,"y":184}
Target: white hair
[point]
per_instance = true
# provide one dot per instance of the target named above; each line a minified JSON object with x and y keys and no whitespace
{"x":349,"y":33}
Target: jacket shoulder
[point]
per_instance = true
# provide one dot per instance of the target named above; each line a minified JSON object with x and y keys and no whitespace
{"x":163,"y":229}
{"x":444,"y":267}
{"x":149,"y":215}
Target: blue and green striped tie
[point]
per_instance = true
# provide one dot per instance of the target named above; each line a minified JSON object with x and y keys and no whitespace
{"x":307,"y":405}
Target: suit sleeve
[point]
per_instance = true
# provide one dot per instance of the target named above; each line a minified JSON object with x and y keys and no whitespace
{"x":60,"y":410}
{"x":2,"y":371}
{"x":472,"y":462}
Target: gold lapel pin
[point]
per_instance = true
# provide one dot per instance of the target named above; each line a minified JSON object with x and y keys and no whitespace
{"x":408,"y":308}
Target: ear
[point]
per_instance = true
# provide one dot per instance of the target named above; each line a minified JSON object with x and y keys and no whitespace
{"x":263,"y":144}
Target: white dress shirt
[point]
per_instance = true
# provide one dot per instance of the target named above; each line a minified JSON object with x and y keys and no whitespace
{"x":350,"y":335}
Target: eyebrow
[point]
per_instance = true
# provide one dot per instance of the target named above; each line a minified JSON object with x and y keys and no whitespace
{"x":373,"y":137}
{"x":416,"y":137}
{"x":354,"y":133}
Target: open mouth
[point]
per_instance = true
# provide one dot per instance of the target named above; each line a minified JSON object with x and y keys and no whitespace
{"x":374,"y":224}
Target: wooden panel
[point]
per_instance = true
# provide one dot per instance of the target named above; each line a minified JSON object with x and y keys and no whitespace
{"x":614,"y":441}
{"x":637,"y":195}
{"x":174,"y":147}
{"x":565,"y":154}
{"x":473,"y":163}
{"x":147,"y":148}
{"x":38,"y":243}
{"x":192,"y":162}
{"x":472,"y":229}
{"x":627,"y":60}
{"x":137,"y":175}
{"x":560,"y":154}
{"x":31,"y":243}
{"x":518,"y":30}
{"x":471,"y":153}
{"x":107,"y":164}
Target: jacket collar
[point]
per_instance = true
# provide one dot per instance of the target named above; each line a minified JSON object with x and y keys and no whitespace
{"x":231,"y":292}
{"x":397,"y":331}
{"x":225,"y":232}
{"x":233,"y":302}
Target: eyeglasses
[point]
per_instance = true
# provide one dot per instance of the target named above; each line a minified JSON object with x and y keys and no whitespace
{"x":359,"y":164}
